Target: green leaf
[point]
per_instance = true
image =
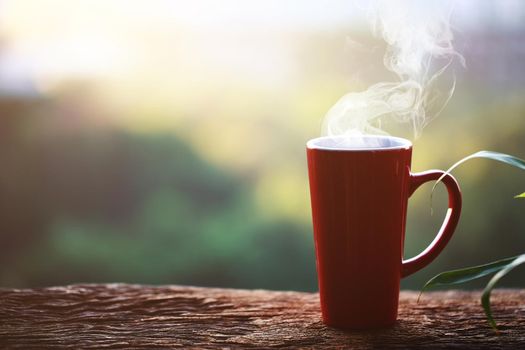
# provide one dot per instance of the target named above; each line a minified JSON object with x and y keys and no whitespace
{"x":485,"y":298}
{"x":500,"y":157}
{"x":500,"y":267}
{"x":467,"y":274}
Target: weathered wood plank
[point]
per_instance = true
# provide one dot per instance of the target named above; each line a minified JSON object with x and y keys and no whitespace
{"x":133,"y":316}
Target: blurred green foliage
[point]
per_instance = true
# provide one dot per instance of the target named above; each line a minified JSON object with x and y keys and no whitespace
{"x":207,"y":185}
{"x":109,"y":206}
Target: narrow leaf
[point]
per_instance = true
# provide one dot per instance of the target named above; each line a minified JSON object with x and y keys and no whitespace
{"x":466,"y":274}
{"x":485,"y":298}
{"x":500,"y":157}
{"x":520,"y":195}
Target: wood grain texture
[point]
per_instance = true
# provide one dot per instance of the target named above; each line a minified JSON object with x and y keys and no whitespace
{"x":134,"y":316}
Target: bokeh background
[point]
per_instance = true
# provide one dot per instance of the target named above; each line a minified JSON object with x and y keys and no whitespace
{"x":163,"y":141}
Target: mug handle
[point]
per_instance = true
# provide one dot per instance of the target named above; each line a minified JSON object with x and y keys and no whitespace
{"x":416,"y":263}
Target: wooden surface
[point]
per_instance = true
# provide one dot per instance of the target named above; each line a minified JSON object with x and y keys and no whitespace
{"x":132,"y":316}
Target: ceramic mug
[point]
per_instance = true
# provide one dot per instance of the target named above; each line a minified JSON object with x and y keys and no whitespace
{"x":359,"y":189}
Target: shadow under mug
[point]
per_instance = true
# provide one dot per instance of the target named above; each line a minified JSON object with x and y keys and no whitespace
{"x":359,"y":189}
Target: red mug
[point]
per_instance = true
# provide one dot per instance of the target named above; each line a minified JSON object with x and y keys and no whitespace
{"x":359,"y":189}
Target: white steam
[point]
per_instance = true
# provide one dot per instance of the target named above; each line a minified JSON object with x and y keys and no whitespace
{"x":419,"y":51}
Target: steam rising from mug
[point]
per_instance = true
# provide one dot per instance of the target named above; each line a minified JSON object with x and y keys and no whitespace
{"x":419,"y":51}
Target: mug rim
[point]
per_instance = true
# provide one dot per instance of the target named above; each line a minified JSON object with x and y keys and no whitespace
{"x":402,"y":143}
